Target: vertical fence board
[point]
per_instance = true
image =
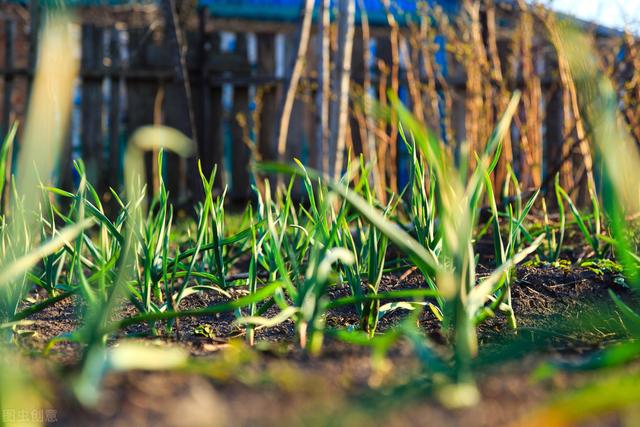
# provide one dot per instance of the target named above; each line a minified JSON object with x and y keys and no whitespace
{"x":201,"y":94}
{"x":300,"y":127}
{"x":554,"y":136}
{"x":458,"y":115}
{"x":9,"y":28}
{"x":66,"y":170}
{"x":141,"y":93}
{"x":241,"y":183}
{"x":270,"y":94}
{"x":207,"y":99}
{"x":213,"y":115}
{"x":91,"y":127}
{"x":357,"y":73}
{"x":9,"y":33}
{"x":34,"y":33}
{"x":291,"y":49}
{"x":179,"y":105}
{"x":113,"y":174}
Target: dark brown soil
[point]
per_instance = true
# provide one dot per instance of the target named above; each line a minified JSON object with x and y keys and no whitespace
{"x":277,"y":384}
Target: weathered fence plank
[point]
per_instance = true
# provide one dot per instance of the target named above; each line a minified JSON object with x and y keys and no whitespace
{"x":91,"y":124}
{"x":241,"y":183}
{"x":9,"y":34}
{"x":269,"y":95}
{"x":141,"y":94}
{"x":113,"y":174}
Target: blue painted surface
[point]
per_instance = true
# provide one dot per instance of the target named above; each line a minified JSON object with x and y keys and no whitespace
{"x":289,"y":10}
{"x":281,"y":10}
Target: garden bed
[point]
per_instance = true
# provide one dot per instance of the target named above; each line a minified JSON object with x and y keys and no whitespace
{"x":276,"y":383}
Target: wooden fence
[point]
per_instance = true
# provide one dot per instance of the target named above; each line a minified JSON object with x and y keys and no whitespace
{"x":236,"y":75}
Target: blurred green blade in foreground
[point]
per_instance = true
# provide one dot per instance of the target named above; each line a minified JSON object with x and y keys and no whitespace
{"x":49,"y":106}
{"x":27,"y":261}
{"x":46,"y":125}
{"x":621,"y":159}
{"x":621,"y":195}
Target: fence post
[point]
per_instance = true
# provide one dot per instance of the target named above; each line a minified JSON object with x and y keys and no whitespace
{"x":240,"y":183}
{"x":91,"y":125}
{"x":176,"y":45}
{"x":202,"y":94}
{"x":271,"y":92}
{"x":34,"y":34}
{"x":213,"y":140}
{"x":553,"y":138}
{"x":141,"y":92}
{"x":113,"y":174}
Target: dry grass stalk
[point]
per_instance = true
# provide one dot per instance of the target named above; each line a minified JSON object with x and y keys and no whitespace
{"x":531,"y":122}
{"x":445,"y":113}
{"x":631,"y":85}
{"x":340,"y":114}
{"x":324,"y":85}
{"x":501,"y":93}
{"x":296,"y":74}
{"x":479,"y":118}
{"x":50,"y":107}
{"x":423,"y":40}
{"x":381,"y":130}
{"x":571,"y":109}
{"x":409,"y":57}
